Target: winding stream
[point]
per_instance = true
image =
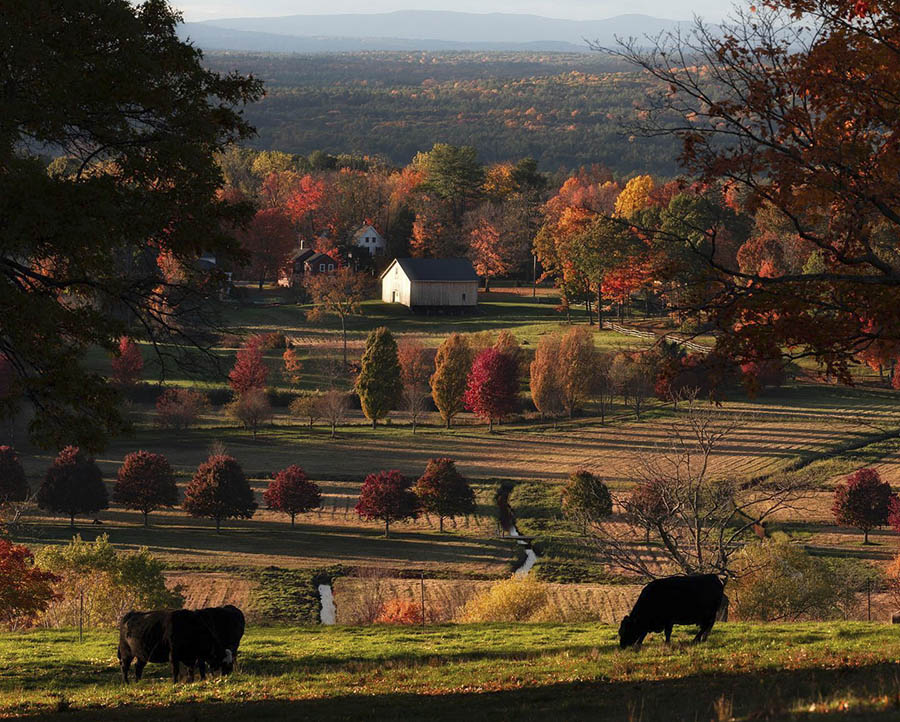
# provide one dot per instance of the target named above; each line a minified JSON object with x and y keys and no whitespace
{"x":530,"y":556}
{"x":328,"y":613}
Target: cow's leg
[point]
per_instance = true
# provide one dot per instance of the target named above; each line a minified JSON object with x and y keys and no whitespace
{"x":201,"y":665}
{"x":125,"y":663}
{"x":703,"y":632}
{"x":191,"y":673}
{"x":669,"y":633}
{"x":173,"y":658}
{"x":640,"y":642}
{"x":139,"y":668}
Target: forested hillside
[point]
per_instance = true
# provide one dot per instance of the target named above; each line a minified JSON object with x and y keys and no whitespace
{"x":563,"y":110}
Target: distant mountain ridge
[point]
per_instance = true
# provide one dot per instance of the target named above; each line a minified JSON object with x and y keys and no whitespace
{"x":428,"y":30}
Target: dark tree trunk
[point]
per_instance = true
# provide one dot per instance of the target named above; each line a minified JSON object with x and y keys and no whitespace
{"x":599,"y":309}
{"x":374,"y":422}
{"x":72,"y":521}
{"x":491,"y":426}
{"x":146,"y":524}
{"x":292,"y":520}
{"x":218,"y":525}
{"x":344,"y":336}
{"x":441,"y":523}
{"x":448,"y":422}
{"x":387,"y":529}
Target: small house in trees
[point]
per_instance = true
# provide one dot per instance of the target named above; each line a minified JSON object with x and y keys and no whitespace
{"x":292,"y":273}
{"x":370,"y":239}
{"x":319,"y":263}
{"x":430,"y":283}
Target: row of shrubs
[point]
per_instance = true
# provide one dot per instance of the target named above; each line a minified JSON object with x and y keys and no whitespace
{"x":219,"y":489}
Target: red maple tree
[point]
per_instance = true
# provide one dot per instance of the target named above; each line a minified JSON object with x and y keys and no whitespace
{"x":291,"y":492}
{"x":219,"y":490}
{"x":145,"y":482}
{"x":492,"y":390}
{"x":25,"y":590}
{"x":129,"y":364}
{"x":863,"y":501}
{"x":250,"y":370}
{"x":387,"y":496}
{"x":442,"y":490}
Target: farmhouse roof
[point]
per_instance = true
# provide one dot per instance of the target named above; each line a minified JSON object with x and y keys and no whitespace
{"x":363,"y":230}
{"x":301,"y":254}
{"x":319,"y":258}
{"x":436,"y":269}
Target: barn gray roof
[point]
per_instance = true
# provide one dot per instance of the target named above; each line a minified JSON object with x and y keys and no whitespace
{"x":437,"y":269}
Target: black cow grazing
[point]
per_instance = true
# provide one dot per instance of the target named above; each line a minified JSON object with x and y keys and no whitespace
{"x":666,"y":602}
{"x":177,"y":637}
{"x":228,"y":624}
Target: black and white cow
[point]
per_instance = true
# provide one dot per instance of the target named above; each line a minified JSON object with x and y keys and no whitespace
{"x":178,"y":637}
{"x":228,"y":624}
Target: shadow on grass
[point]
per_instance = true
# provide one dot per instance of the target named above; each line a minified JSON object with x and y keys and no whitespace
{"x":771,"y":695}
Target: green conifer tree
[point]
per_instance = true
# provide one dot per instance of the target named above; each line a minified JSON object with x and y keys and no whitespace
{"x":379,"y":383}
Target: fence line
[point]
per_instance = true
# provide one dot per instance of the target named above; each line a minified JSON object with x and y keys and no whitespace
{"x":690,"y":345}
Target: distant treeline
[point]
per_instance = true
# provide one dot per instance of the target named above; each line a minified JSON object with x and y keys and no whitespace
{"x":563,"y":110}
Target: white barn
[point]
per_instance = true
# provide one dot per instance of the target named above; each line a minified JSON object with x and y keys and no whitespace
{"x":370,"y":239}
{"x":430,"y":283}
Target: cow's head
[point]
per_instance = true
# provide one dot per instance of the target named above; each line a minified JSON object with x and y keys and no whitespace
{"x":628,"y":632}
{"x":228,"y":662}
{"x":221,"y":659}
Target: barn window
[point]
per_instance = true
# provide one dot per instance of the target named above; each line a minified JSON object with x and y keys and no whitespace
{"x":464,"y":297}
{"x":330,"y":266}
{"x":321,"y":266}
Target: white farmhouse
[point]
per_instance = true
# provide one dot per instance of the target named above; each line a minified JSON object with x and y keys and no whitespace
{"x":430,"y":283}
{"x":370,"y":239}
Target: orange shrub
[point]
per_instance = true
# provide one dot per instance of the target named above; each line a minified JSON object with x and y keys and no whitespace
{"x":399,"y":611}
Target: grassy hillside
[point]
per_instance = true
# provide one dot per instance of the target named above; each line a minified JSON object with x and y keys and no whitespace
{"x":514,"y":672}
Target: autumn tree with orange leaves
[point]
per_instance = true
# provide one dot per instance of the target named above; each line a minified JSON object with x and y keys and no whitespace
{"x":793,"y":104}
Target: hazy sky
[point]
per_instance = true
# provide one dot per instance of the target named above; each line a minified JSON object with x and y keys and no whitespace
{"x":572,"y":9}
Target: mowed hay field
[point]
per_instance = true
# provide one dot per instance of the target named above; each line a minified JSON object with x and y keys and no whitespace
{"x":801,"y":422}
{"x":359,"y":600}
{"x":518,"y":672}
